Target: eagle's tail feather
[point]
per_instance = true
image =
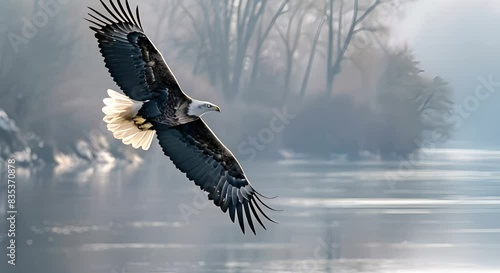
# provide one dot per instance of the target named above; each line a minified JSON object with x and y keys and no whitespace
{"x":120,"y":114}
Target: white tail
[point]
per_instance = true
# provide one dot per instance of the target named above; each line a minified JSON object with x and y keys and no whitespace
{"x":120,"y":112}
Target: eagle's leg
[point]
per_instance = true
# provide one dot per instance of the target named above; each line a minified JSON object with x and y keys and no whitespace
{"x":139,"y":120}
{"x":146,"y":126}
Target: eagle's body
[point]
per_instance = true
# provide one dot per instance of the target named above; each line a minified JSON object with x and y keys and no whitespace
{"x":156,"y":105}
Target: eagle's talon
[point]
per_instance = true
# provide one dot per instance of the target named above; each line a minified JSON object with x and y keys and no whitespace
{"x":146,"y":126}
{"x":139,"y":120}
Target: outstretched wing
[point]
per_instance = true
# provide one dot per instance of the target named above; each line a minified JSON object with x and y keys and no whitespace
{"x":132,"y":59}
{"x":196,"y":151}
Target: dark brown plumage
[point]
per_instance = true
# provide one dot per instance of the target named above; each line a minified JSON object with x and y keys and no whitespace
{"x":140,"y":71}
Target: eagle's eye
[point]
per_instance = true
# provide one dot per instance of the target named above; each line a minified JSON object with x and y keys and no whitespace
{"x":209,"y":106}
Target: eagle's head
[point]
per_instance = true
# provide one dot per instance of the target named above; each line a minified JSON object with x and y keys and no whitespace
{"x":199,"y":108}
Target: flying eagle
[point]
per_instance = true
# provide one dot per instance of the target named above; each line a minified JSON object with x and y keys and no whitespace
{"x":156,"y":105}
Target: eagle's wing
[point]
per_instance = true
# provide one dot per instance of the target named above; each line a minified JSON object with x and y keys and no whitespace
{"x":132,"y":59}
{"x":196,"y":151}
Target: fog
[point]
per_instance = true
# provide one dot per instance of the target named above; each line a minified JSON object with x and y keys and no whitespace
{"x":457,"y":40}
{"x":284,"y":56}
{"x":375,"y":123}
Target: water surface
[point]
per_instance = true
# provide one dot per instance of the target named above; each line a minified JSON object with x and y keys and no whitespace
{"x":441,"y":215}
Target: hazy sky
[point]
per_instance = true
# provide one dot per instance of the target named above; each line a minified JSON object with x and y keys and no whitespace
{"x":460,"y":41}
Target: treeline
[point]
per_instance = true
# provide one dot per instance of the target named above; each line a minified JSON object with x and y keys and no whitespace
{"x":329,"y":62}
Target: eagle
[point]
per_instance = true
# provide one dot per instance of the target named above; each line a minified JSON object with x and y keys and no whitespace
{"x":154,"y":104}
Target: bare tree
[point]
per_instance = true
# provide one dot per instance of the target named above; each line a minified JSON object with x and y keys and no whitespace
{"x":312,"y":55}
{"x":291,"y":38}
{"x":338,"y":43}
{"x":344,"y":19}
{"x":262,"y":36}
{"x":226,"y":31}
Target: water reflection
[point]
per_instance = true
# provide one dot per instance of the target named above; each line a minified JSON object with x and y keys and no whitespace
{"x":338,"y":217}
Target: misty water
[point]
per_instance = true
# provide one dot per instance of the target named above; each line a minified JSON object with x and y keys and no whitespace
{"x":441,"y":215}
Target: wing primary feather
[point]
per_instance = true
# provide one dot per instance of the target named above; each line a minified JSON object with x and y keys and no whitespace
{"x":223,"y":207}
{"x":123,"y":11}
{"x":109,"y":11}
{"x":138,"y":17}
{"x":240,"y":196}
{"x":234,"y":195}
{"x":220,"y":186}
{"x":255,"y":214}
{"x":95,"y":29}
{"x":121,"y":27}
{"x":266,"y":197}
{"x":261,"y":212}
{"x":245,"y":193}
{"x":229,"y":203}
{"x":117,"y":11}
{"x":95,"y":23}
{"x":224,"y":191}
{"x":96,"y":18}
{"x":256,"y":196}
{"x":100,"y":14}
{"x":240,"y":217}
{"x":131,"y":13}
{"x":249,"y":217}
{"x":231,"y":212}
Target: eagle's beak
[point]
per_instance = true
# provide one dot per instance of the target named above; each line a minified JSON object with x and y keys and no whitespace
{"x":217,"y":109}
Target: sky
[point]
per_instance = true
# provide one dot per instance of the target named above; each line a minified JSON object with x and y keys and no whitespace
{"x":459,"y":40}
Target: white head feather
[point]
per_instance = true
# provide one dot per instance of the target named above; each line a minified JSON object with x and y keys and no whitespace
{"x":199,"y":108}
